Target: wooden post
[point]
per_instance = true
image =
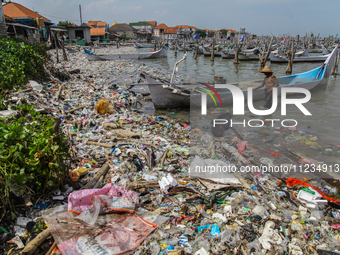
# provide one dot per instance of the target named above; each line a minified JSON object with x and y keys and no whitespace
{"x":195,"y":56}
{"x":155,"y":46}
{"x":176,"y":47}
{"x":336,"y":63}
{"x":117,"y":43}
{"x":56,"y":46}
{"x":212,"y":50}
{"x":264,"y":60}
{"x":64,"y":52}
{"x":236,"y":53}
{"x":290,"y":59}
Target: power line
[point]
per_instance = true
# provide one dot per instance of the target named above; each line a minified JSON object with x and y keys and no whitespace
{"x":48,"y":15}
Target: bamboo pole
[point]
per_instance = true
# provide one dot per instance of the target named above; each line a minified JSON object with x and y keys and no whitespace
{"x":64,"y":52}
{"x":56,"y":46}
{"x":195,"y":56}
{"x":264,"y":60}
{"x":176,"y":47}
{"x":236,"y":54}
{"x":212,"y":50}
{"x":336,"y":63}
{"x":290,"y":60}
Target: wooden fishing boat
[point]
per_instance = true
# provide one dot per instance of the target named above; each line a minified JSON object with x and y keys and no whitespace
{"x":228,"y":54}
{"x":141,"y":46}
{"x":161,"y":53}
{"x":207,"y":52}
{"x":297,"y":58}
{"x":165,"y":95}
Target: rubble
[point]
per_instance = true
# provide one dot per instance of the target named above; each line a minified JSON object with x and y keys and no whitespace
{"x":131,"y":185}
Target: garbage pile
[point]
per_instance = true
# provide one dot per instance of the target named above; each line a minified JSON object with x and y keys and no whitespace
{"x":133,"y":187}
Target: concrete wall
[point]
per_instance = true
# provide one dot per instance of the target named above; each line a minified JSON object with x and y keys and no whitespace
{"x":72,"y":33}
{"x":3,"y":28}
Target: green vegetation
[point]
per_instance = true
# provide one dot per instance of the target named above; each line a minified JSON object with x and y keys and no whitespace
{"x":32,"y":154}
{"x":201,"y":32}
{"x":224,"y":31}
{"x":32,"y":150}
{"x":19,"y":62}
{"x":65,"y":23}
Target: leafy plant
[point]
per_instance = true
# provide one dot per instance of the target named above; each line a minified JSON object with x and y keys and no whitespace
{"x":20,"y":62}
{"x":32,"y":154}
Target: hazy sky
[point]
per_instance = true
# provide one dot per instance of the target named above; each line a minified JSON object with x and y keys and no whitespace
{"x":257,"y":16}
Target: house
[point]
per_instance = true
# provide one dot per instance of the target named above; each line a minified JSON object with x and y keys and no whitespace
{"x":123,"y":30}
{"x":185,"y":31}
{"x":170,"y":33}
{"x":96,"y":24}
{"x":159,"y":30}
{"x":82,"y":32}
{"x":100,"y":32}
{"x":24,"y":15}
{"x":145,"y":29}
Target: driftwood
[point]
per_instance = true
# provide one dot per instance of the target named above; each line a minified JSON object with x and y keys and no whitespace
{"x":36,"y":242}
{"x":59,"y":91}
{"x":22,"y":91}
{"x":101,"y":144}
{"x":102,"y":172}
{"x":51,"y":249}
{"x":145,"y":184}
{"x":75,"y":109}
{"x":126,"y":133}
{"x":163,"y":158}
{"x":99,"y":182}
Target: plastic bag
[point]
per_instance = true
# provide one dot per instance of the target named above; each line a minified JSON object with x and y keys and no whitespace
{"x":81,"y":200}
{"x":111,"y":233}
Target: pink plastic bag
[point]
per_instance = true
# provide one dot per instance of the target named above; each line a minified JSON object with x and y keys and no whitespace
{"x":81,"y":200}
{"x":111,"y":234}
{"x":241,"y":146}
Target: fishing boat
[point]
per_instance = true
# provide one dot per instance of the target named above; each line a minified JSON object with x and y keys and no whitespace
{"x":298,"y":58}
{"x":166,"y":95}
{"x":161,"y":53}
{"x":228,"y":54}
{"x":141,"y":46}
{"x":207,"y":52}
{"x":253,"y":54}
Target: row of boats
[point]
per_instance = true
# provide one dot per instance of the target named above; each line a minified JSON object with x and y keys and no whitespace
{"x":166,"y":95}
{"x":278,"y":55}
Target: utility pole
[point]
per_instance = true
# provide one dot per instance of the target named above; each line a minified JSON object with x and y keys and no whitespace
{"x":81,"y":19}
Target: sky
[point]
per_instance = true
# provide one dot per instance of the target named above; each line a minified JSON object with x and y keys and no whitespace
{"x":260,"y":17}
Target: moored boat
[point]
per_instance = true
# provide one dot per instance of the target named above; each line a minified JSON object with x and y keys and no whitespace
{"x":165,"y":95}
{"x":161,"y":53}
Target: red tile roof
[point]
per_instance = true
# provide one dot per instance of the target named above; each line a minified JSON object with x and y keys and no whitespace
{"x":98,"y":31}
{"x":15,"y":10}
{"x":152,"y":23}
{"x":9,"y":19}
{"x":161,"y":26}
{"x":96,"y":23}
{"x":183,"y":26}
{"x":193,"y":27}
{"x":171,"y":30}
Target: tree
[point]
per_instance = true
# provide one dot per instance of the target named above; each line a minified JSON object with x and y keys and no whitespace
{"x":201,"y":32}
{"x":65,"y":23}
{"x":224,"y":31}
